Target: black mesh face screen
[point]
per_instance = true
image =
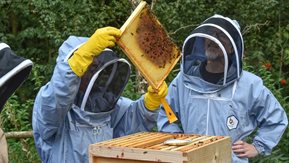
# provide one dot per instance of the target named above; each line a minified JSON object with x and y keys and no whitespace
{"x":103,"y":82}
{"x":13,"y":71}
{"x":231,"y":30}
{"x":217,"y":45}
{"x":92,"y":69}
{"x":108,"y":87}
{"x":120,"y":78}
{"x":201,"y":41}
{"x":102,"y":79}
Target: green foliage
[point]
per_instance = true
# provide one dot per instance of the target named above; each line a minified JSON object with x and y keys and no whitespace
{"x":17,"y":117}
{"x":22,"y":151}
{"x":131,"y":90}
{"x":277,"y":157}
{"x":35,"y":29}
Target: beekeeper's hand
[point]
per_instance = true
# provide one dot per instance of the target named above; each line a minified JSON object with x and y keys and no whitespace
{"x":152,"y":98}
{"x":101,"y":39}
{"x":243,"y":149}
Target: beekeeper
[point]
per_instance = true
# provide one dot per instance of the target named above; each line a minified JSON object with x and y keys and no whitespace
{"x":13,"y":71}
{"x":221,"y":98}
{"x":82,"y":102}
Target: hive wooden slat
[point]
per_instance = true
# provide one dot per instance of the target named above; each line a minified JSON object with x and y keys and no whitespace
{"x":148,"y":147}
{"x":124,"y":140}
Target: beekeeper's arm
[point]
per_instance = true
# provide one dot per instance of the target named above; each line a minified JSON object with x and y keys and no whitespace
{"x":139,"y":115}
{"x":83,"y":57}
{"x":272,"y":122}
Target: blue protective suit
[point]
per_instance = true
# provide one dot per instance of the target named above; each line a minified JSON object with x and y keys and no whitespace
{"x":234,"y":108}
{"x":63,"y":132}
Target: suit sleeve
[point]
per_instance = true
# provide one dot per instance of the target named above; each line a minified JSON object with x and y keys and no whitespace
{"x":132,"y":116}
{"x":271,"y":119}
{"x":54,"y":99}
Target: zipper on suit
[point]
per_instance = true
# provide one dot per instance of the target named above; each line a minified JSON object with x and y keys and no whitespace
{"x":208,"y":115}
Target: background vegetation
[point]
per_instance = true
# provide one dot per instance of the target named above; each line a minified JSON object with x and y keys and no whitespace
{"x":35,"y":29}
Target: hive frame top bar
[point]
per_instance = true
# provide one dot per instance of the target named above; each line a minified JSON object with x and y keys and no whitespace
{"x":136,"y":12}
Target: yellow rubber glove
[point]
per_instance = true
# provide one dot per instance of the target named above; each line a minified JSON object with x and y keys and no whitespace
{"x":83,"y":56}
{"x":152,"y":98}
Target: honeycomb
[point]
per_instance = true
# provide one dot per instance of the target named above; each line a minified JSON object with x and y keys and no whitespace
{"x":154,"y":41}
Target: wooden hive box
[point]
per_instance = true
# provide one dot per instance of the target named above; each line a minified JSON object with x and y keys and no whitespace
{"x":145,"y":147}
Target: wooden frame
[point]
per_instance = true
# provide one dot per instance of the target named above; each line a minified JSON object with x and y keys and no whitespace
{"x":132,"y":46}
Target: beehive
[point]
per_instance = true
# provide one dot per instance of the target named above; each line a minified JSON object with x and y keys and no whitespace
{"x":145,"y":147}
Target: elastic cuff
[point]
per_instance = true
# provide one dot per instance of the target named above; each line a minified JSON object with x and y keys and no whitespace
{"x":151,"y":103}
{"x":151,"y":107}
{"x":259,"y":147}
{"x":79,"y":62}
